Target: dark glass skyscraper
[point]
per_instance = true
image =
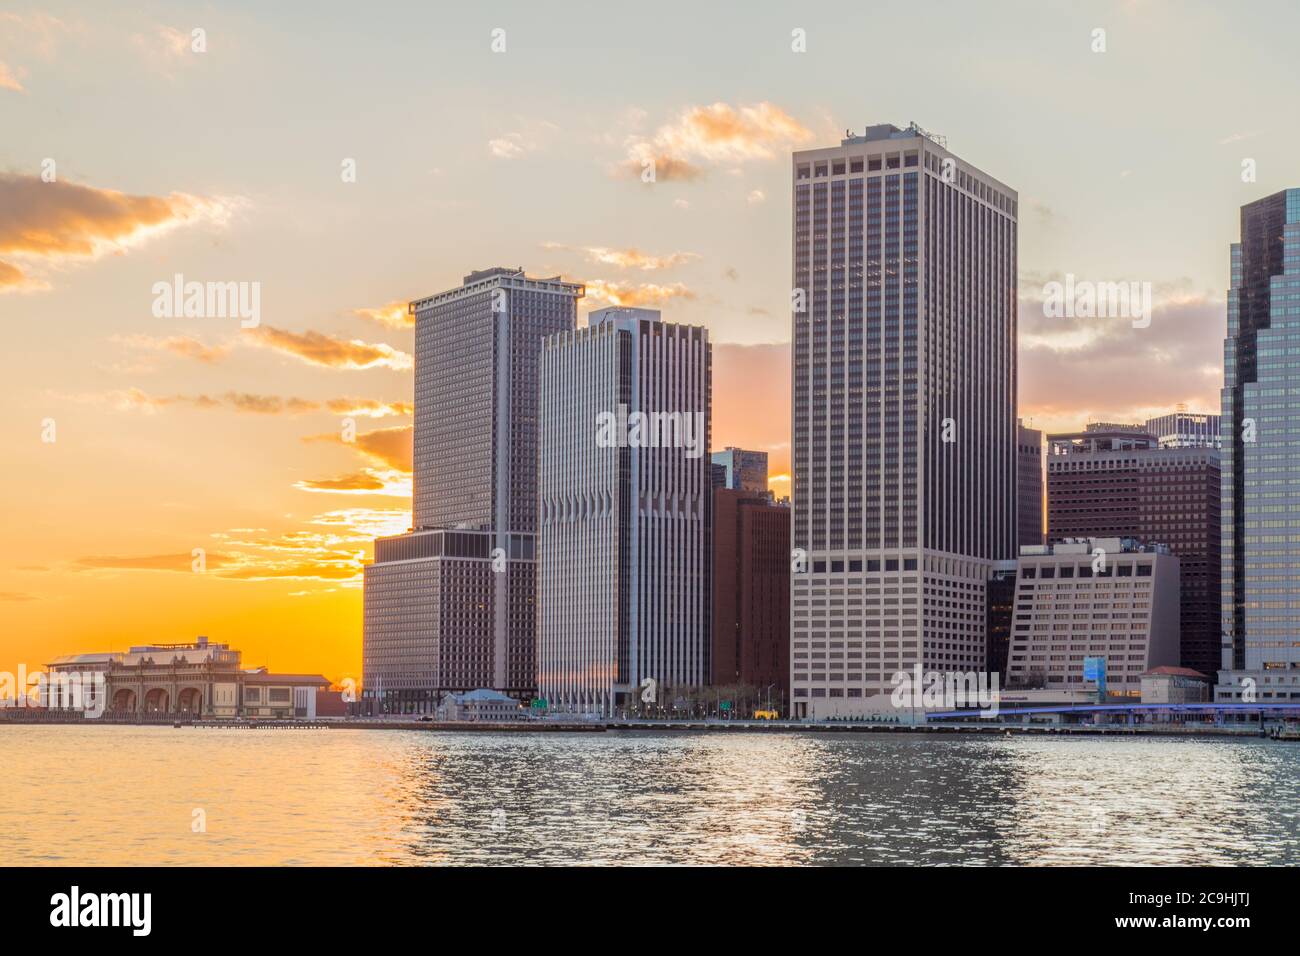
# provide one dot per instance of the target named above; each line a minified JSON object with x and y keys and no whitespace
{"x":1261,"y":454}
{"x":904,"y":426}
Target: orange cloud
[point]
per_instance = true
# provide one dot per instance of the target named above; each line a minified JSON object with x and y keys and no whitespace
{"x":316,"y":348}
{"x":389,"y":452}
{"x":618,"y":293}
{"x":57,"y":222}
{"x":182,"y":345}
{"x":8,"y":81}
{"x":627,"y":258}
{"x":706,"y":135}
{"x":394,"y":315}
{"x":136,"y":398}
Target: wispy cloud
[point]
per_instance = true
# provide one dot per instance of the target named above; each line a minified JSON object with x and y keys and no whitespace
{"x":252,"y":403}
{"x":9,"y":78}
{"x":626,"y":258}
{"x":317,"y":348}
{"x":704,"y":136}
{"x":630,"y":294}
{"x":394,"y":315}
{"x":53,"y":223}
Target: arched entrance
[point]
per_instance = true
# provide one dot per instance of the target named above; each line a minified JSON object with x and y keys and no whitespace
{"x":156,"y":701}
{"x":189,"y":701}
{"x":124,"y":701}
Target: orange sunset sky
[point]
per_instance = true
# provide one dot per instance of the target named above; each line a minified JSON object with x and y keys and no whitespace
{"x":127,"y":157}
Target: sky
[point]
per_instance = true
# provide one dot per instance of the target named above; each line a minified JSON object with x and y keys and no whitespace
{"x":166,"y":477}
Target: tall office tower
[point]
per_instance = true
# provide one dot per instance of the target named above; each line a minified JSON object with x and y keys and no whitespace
{"x":1184,"y":429}
{"x":623,"y":587}
{"x":745,"y":470}
{"x":904,"y":421}
{"x":1109,"y":482}
{"x":1029,"y":485}
{"x":751,"y":594}
{"x":448,"y":607}
{"x":1261,"y":455}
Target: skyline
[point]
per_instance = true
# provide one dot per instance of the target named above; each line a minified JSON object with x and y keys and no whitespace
{"x":177,"y":434}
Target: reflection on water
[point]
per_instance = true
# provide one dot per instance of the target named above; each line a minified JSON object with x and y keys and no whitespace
{"x":123,"y":795}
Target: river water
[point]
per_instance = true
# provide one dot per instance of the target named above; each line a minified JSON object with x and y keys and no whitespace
{"x":161,"y":795}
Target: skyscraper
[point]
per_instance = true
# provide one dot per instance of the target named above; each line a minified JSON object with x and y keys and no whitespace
{"x":1184,"y":429}
{"x":904,"y":425}
{"x":1112,"y":481}
{"x":751,"y":593}
{"x":1261,"y":456}
{"x":744,"y":470}
{"x":1029,"y":481}
{"x":623,"y":588}
{"x":449,"y":607}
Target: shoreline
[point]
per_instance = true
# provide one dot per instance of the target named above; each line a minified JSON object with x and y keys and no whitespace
{"x":660,"y":726}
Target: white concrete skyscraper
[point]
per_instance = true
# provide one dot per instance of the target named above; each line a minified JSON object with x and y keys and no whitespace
{"x":904,"y":412}
{"x":449,"y":606}
{"x":623,"y":592}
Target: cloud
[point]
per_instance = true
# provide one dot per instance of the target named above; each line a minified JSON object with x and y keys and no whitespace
{"x":627,"y":258}
{"x":531,"y":137}
{"x":183,"y":345}
{"x":1237,"y":137}
{"x":1074,"y":370}
{"x":8,"y":80}
{"x":394,"y":315}
{"x":388,"y":452}
{"x":16,"y":596}
{"x":368,"y":407}
{"x":756,"y":196}
{"x":719,"y":134}
{"x":181,"y":561}
{"x":136,"y":398}
{"x":628,"y":294}
{"x":316,"y":348}
{"x":59,"y":222}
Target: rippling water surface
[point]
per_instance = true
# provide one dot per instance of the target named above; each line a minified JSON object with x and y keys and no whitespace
{"x":128,"y":795}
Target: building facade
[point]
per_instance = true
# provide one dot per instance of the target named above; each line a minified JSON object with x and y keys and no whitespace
{"x":449,"y":607}
{"x":743,"y":470}
{"x":751,"y":593}
{"x":623,"y":588}
{"x":1184,"y":429}
{"x":195,"y":680}
{"x":1261,"y":455}
{"x":1029,"y":485}
{"x":1070,"y":607}
{"x":1114,"y":482}
{"x":904,"y":425}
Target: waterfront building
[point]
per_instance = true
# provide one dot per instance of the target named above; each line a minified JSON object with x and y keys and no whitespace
{"x":200,"y":679}
{"x":1260,"y":619}
{"x":1112,"y":481}
{"x":751,"y":594}
{"x":624,"y":552}
{"x":449,"y":606}
{"x":1097,"y":597}
{"x":903,"y":412}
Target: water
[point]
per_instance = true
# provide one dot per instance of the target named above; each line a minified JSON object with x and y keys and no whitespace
{"x":129,"y":795}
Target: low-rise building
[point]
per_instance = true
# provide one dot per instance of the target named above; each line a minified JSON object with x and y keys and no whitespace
{"x":1106,"y":598}
{"x":1175,"y":685}
{"x":481,"y":705}
{"x":199,"y":679}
